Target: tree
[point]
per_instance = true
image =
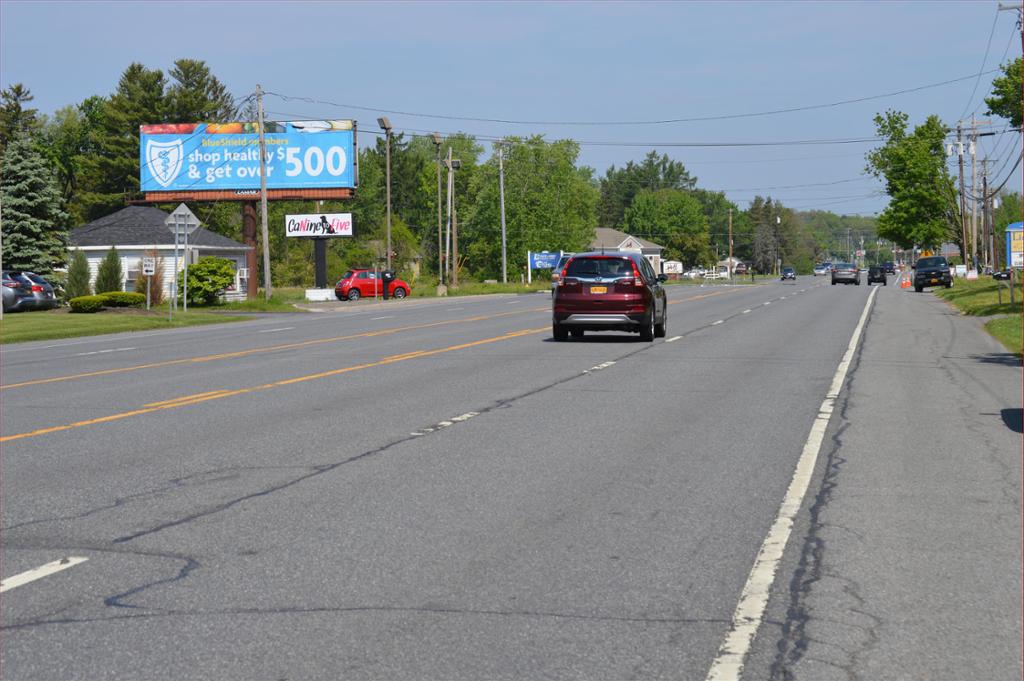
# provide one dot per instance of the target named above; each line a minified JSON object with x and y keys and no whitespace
{"x":110,"y":276}
{"x":196,"y":95}
{"x":78,"y":276}
{"x":620,"y":185}
{"x":15,"y":119}
{"x":923,"y":207}
{"x":550,"y":204}
{"x":34,"y":226}
{"x":1006,"y":99}
{"x":673,"y":218}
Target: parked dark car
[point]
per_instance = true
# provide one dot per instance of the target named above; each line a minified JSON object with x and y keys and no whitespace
{"x":889,"y":267}
{"x":876,"y":274}
{"x":741,"y":268}
{"x":614,"y":291}
{"x":1002,"y":275}
{"x":845,"y":272}
{"x":17,"y":292}
{"x":788,"y":273}
{"x":932,"y":271}
{"x":556,"y":271}
{"x":43,"y":296}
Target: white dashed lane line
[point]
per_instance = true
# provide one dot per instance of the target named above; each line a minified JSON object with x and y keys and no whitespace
{"x":605,"y":365}
{"x":103,"y":352}
{"x":720,"y":321}
{"x":40,"y":572}
{"x":390,"y":316}
{"x":444,"y":424}
{"x":283,"y":328}
{"x":673,"y":339}
{"x":745,"y":312}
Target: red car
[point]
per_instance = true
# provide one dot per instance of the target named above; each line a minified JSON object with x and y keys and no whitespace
{"x":356,"y":284}
{"x":615,"y":291}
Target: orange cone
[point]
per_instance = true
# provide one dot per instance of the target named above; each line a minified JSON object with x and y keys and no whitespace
{"x":905,"y":281}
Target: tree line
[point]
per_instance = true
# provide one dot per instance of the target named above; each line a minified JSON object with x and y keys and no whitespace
{"x":82,"y":163}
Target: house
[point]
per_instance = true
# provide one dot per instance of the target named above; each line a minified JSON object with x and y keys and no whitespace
{"x":614,"y":240}
{"x":141,"y":230}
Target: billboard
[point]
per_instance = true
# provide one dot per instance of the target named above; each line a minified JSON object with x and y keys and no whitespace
{"x":197,"y":157}
{"x":1015,"y":244}
{"x":318,"y":224}
{"x":544,"y":260}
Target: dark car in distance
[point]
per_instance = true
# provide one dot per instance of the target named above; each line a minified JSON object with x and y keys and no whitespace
{"x":609,"y":291}
{"x":788,"y":273}
{"x":876,"y":274}
{"x":1002,"y":275}
{"x":846,"y":273}
{"x":889,"y":267}
{"x":932,"y":271}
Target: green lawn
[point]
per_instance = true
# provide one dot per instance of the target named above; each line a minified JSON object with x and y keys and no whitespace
{"x":20,"y":327}
{"x":981,"y":298}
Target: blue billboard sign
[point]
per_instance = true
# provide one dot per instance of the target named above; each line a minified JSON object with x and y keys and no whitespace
{"x":225,"y":156}
{"x":545,"y":260}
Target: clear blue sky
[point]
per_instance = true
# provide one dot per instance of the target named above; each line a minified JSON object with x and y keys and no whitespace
{"x":564,"y":62}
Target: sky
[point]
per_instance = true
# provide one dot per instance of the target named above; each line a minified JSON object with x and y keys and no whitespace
{"x":616,"y":77}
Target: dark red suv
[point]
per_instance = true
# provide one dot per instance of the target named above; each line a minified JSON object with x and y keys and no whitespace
{"x":613,"y":291}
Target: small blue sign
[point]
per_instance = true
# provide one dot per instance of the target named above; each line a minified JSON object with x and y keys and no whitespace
{"x":545,"y":260}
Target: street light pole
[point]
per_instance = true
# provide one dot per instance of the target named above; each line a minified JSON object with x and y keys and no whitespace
{"x":501,"y":194}
{"x":385,"y":125}
{"x":440,"y":252}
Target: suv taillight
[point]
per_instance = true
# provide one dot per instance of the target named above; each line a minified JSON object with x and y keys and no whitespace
{"x":36,"y":288}
{"x":561,"y":276}
{"x":636,"y":276}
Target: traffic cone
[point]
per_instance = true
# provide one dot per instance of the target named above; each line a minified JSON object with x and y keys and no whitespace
{"x":905,"y":281}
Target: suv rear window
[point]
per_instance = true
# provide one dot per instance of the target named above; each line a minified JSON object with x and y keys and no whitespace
{"x":604,"y":267}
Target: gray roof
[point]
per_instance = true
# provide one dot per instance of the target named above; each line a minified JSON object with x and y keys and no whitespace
{"x":606,"y":237}
{"x":141,"y":226}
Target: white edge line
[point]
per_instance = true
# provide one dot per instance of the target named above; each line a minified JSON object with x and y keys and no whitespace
{"x":40,"y":572}
{"x":720,"y":321}
{"x":673,"y":339}
{"x":745,"y":312}
{"x":746,"y":619}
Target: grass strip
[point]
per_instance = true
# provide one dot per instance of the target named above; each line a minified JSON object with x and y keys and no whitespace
{"x":981,"y":297}
{"x":1007,"y":330}
{"x":22,"y":327}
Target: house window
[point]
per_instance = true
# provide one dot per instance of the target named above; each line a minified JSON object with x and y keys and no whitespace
{"x":130,"y":278}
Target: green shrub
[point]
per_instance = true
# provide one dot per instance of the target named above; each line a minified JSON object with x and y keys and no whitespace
{"x":123,"y":299}
{"x":110,"y":275}
{"x":78,"y":276}
{"x":207,"y":279}
{"x":86,"y":303}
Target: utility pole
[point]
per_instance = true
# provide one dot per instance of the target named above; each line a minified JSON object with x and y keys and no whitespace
{"x":263,"y":198}
{"x":455,"y":246}
{"x":974,"y":193}
{"x":730,"y":245}
{"x":448,"y":229}
{"x":963,"y":199}
{"x":385,"y":125}
{"x":501,"y":194}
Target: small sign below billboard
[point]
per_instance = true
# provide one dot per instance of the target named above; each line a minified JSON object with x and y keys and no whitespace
{"x":318,"y":224}
{"x":148,"y":266}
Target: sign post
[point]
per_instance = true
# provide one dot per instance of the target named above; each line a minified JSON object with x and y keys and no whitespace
{"x":148,"y":270}
{"x":182,"y":222}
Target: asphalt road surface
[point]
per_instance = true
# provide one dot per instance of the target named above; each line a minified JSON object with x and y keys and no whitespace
{"x":434,"y":489}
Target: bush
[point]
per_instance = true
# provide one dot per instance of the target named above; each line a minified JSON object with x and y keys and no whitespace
{"x":207,"y":279}
{"x":110,"y":276}
{"x":122,"y":299}
{"x":78,"y":276}
{"x":157,"y":290}
{"x":86,"y":303}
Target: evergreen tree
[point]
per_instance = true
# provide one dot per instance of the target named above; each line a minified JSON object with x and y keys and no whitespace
{"x":15,"y":119}
{"x":78,"y":276}
{"x":34,"y":226}
{"x":110,"y":275}
{"x":196,"y":95}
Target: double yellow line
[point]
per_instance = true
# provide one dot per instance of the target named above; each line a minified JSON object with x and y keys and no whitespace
{"x":255,"y":351}
{"x":198,"y":398}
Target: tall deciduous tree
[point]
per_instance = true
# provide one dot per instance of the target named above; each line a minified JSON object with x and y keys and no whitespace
{"x":1006,"y":99}
{"x":923,"y":207}
{"x":34,"y":225}
{"x":550,"y":204}
{"x":674,"y":219}
{"x":620,"y":185}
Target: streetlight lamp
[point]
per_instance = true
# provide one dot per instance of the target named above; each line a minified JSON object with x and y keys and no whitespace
{"x":440,"y":256}
{"x":501,"y":193}
{"x":385,"y":125}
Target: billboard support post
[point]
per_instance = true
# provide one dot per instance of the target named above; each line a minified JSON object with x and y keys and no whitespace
{"x":320,"y":261}
{"x":263,"y":197}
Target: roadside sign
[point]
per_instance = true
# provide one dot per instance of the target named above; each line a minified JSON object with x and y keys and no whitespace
{"x":148,"y":267}
{"x":544,"y":260}
{"x":182,"y":220}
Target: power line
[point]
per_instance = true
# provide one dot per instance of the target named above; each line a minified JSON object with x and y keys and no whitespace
{"x":984,"y":59}
{"x":720,"y":117}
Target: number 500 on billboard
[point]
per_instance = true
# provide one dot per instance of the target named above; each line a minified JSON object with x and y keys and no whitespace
{"x":212,"y":156}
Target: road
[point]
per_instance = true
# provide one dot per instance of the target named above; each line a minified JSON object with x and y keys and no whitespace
{"x":434,"y":489}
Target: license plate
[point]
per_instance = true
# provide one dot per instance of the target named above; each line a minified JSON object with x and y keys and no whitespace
{"x":599,"y":289}
{"x":935,"y":281}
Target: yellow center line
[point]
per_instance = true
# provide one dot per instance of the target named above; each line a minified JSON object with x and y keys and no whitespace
{"x":198,"y":398}
{"x":271,"y":348}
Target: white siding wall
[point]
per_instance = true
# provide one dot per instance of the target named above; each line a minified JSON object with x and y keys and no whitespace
{"x":131,"y":257}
